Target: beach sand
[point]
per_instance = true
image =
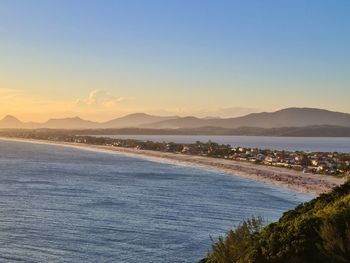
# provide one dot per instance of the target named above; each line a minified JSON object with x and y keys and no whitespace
{"x":291,"y":179}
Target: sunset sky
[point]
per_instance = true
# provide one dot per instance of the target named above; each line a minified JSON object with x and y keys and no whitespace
{"x":104,"y":59}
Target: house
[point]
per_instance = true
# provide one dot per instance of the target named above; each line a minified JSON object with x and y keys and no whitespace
{"x":314,"y":162}
{"x":252,"y":159}
{"x":270,"y":159}
{"x":260,"y":156}
{"x":320,"y":168}
{"x":185,"y":149}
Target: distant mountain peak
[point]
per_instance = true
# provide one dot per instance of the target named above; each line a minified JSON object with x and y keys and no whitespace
{"x":10,"y":118}
{"x":304,"y":109}
{"x":135,"y":120}
{"x":76,"y":118}
{"x":68,"y":118}
{"x":10,"y":121}
{"x":138,"y":114}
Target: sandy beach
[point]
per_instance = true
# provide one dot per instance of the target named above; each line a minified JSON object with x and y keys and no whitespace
{"x":291,"y":179}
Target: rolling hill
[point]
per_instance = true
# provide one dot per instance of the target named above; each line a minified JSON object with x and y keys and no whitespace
{"x":69,"y":123}
{"x":290,"y":117}
{"x":135,"y":120}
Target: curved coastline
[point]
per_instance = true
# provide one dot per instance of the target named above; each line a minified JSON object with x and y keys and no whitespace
{"x":281,"y":177}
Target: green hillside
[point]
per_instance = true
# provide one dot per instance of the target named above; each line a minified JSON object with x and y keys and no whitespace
{"x":317,"y":231}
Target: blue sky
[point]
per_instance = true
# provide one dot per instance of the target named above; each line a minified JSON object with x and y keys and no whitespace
{"x":190,"y":57}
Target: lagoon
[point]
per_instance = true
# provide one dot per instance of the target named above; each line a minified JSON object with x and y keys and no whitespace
{"x":308,"y":144}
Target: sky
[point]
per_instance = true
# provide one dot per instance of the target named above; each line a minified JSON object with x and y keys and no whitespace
{"x":104,"y":59}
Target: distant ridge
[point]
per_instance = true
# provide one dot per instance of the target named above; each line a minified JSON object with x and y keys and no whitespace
{"x":69,"y":123}
{"x":290,"y":117}
{"x":131,"y":120}
{"x":135,"y":120}
{"x":308,"y":131}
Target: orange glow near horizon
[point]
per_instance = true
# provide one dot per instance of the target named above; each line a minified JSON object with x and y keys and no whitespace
{"x":101,"y":61}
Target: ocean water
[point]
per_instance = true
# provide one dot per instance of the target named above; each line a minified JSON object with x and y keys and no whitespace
{"x":317,"y":144}
{"x":60,"y":204}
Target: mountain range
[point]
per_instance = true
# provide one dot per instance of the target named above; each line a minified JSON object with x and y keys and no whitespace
{"x":289,"y":117}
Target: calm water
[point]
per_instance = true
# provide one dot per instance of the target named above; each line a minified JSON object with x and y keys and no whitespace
{"x":319,"y":144}
{"x":60,"y":204}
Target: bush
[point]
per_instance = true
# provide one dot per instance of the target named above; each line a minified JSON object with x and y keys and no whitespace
{"x":317,"y":231}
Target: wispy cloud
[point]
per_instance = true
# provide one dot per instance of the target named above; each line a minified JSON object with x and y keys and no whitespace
{"x":99,"y":99}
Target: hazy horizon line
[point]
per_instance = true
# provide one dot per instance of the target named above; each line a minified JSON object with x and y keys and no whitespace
{"x":152,"y":113}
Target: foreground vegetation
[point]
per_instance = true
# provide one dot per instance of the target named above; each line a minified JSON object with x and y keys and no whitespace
{"x":317,"y":231}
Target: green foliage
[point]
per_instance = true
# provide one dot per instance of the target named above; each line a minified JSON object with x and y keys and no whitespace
{"x":335,"y":243}
{"x":235,"y":246}
{"x":317,"y":231}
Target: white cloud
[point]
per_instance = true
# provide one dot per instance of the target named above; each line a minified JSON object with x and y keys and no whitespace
{"x":99,"y":99}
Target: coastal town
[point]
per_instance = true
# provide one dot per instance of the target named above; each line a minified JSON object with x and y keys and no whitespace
{"x":326,"y":163}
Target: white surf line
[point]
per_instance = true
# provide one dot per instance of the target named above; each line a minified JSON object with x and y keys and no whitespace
{"x":95,"y":148}
{"x":167,"y":160}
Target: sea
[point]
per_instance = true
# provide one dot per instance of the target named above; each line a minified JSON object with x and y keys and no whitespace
{"x":63,"y":204}
{"x":307,"y":144}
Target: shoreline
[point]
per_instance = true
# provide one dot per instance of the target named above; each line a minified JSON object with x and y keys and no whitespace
{"x":281,"y":177}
